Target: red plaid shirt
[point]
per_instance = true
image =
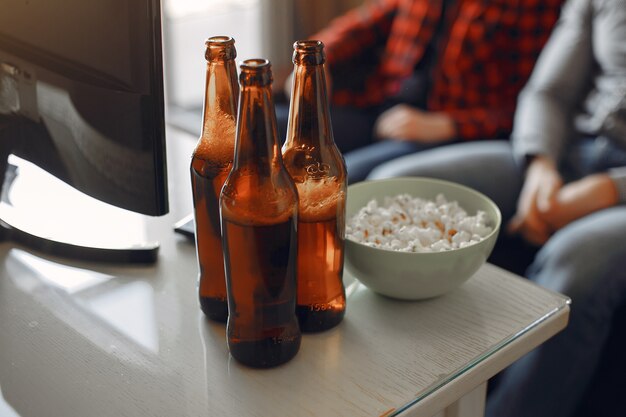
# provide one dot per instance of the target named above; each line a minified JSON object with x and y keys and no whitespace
{"x":489,"y":49}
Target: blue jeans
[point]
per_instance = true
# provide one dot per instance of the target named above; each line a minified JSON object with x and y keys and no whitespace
{"x":352,"y":131}
{"x":360,"y":162}
{"x":352,"y":127}
{"x":585,"y":260}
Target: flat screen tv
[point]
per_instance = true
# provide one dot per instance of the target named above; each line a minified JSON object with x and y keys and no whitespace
{"x":81,"y":97}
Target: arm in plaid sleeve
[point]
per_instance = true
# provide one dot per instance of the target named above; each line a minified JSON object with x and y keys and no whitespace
{"x":483,"y":122}
{"x":496,"y":66}
{"x":351,"y":34}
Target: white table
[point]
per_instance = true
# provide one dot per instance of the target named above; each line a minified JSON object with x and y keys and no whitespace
{"x":81,"y":339}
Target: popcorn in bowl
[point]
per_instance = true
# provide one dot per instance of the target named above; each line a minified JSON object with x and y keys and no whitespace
{"x":410,"y":224}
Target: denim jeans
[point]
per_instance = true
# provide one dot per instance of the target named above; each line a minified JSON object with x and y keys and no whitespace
{"x":352,"y":127}
{"x":585,"y":260}
{"x":353,"y":134}
{"x":360,"y":162}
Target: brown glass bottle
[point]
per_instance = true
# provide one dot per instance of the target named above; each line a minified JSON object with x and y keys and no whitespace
{"x":318,"y":169}
{"x":259,"y":208}
{"x":210,"y":164}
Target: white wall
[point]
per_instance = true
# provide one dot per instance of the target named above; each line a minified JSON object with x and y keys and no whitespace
{"x":261,"y":28}
{"x":184,"y":36}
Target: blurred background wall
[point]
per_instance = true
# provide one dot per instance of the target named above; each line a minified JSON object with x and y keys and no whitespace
{"x":261,"y":28}
{"x":312,"y":15}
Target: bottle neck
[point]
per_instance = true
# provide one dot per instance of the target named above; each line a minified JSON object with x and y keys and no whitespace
{"x":220,"y":100}
{"x":256,"y":145}
{"x":309,"y":116}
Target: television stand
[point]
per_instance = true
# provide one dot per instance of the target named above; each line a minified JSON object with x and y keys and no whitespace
{"x":40,"y":212}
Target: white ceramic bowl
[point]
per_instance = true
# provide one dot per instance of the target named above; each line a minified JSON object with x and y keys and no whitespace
{"x":414,"y":276}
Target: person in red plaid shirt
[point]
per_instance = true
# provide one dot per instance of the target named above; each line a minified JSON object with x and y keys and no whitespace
{"x":560,"y":184}
{"x":413,"y":74}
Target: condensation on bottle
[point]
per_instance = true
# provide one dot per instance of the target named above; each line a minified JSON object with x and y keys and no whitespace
{"x":211,"y":162}
{"x":318,"y":170}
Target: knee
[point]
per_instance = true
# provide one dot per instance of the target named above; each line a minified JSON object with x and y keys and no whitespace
{"x":465,"y":164}
{"x":566,"y":266}
{"x":452,"y":162}
{"x":418,"y":164}
{"x":382,"y":171}
{"x":583,"y":264}
{"x":360,"y":162}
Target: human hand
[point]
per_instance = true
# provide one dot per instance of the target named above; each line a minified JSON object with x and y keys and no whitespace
{"x":538,"y":195}
{"x":407,"y":123}
{"x":579,"y":198}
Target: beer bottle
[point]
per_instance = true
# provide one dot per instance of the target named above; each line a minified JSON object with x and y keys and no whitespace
{"x":319,"y":172}
{"x":210,"y":164}
{"x":259,"y":209}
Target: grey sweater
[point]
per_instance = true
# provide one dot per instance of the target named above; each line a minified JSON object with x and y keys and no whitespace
{"x":578,"y":85}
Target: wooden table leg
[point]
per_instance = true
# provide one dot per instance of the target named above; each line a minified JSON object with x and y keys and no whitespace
{"x":471,"y":404}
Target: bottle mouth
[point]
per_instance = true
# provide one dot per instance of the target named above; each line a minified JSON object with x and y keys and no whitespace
{"x":220,"y":48}
{"x":308,"y":52}
{"x":257,"y":71}
{"x":308,"y":45}
{"x":255,"y":64}
{"x":220,"y":41}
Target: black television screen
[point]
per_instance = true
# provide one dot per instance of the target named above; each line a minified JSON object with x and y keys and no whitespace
{"x":81,"y":96}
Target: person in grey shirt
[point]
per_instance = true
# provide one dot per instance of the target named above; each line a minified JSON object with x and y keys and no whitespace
{"x":561,"y":185}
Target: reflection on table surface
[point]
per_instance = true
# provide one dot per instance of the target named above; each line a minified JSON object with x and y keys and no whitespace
{"x":81,"y":339}
{"x":84,"y":340}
